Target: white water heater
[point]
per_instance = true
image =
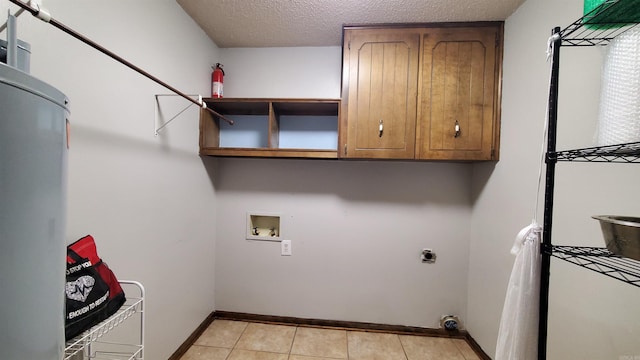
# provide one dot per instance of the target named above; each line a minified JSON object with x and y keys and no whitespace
{"x":33,"y":166}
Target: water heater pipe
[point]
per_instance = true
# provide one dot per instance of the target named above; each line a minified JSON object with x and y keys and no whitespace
{"x":18,"y":13}
{"x":46,"y":17}
{"x":12,"y":42}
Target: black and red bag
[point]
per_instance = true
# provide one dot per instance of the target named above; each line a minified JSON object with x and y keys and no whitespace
{"x":93,"y":292}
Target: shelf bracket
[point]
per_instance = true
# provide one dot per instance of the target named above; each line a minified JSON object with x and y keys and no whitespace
{"x":158,"y":112}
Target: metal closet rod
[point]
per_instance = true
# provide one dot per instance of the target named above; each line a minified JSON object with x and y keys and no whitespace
{"x":46,"y":17}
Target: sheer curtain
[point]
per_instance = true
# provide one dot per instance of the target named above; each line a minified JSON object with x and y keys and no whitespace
{"x":518,"y":334}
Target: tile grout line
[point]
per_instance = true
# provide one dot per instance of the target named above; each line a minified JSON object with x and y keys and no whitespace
{"x":347,"y":336}
{"x":237,"y":340}
{"x":458,"y":350}
{"x":262,"y":351}
{"x":464,"y":357}
{"x":403,"y":349}
{"x":295,"y":332}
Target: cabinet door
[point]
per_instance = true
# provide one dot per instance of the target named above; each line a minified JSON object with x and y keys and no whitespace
{"x":458,"y":110}
{"x":380,"y":84}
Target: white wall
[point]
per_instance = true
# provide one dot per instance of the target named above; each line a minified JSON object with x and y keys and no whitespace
{"x":149,"y":201}
{"x":357,"y":227}
{"x":302,"y":72}
{"x":591,"y":316}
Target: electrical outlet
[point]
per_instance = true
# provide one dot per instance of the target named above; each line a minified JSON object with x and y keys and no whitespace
{"x":285,"y":248}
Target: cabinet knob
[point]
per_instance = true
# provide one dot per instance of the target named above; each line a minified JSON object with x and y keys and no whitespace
{"x":380,"y":128}
{"x":457,"y":129}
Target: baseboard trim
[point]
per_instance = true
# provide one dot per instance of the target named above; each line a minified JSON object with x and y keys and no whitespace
{"x":351,"y":325}
{"x":182,"y":349}
{"x":476,"y":348}
{"x":332,"y":324}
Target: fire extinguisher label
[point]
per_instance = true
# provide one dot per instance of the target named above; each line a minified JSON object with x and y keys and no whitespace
{"x":217,"y":89}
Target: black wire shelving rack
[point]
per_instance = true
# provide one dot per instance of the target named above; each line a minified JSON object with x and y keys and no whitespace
{"x":601,"y":261}
{"x":598,"y":27}
{"x":620,"y":153}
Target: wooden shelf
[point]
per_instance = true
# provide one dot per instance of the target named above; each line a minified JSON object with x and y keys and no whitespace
{"x":266,"y":152}
{"x":271,"y":128}
{"x":239,"y":106}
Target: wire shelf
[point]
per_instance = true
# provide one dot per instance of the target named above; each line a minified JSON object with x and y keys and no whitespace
{"x":119,"y":352}
{"x":79,"y":345}
{"x":601,"y":261}
{"x":597,"y":27}
{"x":622,"y":153}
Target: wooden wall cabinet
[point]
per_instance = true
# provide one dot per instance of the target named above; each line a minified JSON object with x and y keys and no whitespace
{"x":381,"y":71}
{"x":292,"y":128}
{"x":436,"y":87}
{"x":459,"y":82}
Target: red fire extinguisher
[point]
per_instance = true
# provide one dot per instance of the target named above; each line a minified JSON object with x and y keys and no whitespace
{"x":217,"y":78}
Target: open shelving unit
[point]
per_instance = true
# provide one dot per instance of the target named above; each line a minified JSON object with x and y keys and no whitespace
{"x":292,"y":128}
{"x":91,"y":344}
{"x":595,"y":28}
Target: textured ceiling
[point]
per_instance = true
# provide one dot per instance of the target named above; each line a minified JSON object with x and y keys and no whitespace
{"x":275,"y":23}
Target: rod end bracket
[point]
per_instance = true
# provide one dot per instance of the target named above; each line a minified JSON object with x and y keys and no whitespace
{"x":40,"y":13}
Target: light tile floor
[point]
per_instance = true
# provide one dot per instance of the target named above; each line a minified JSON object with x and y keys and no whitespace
{"x":239,"y":340}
